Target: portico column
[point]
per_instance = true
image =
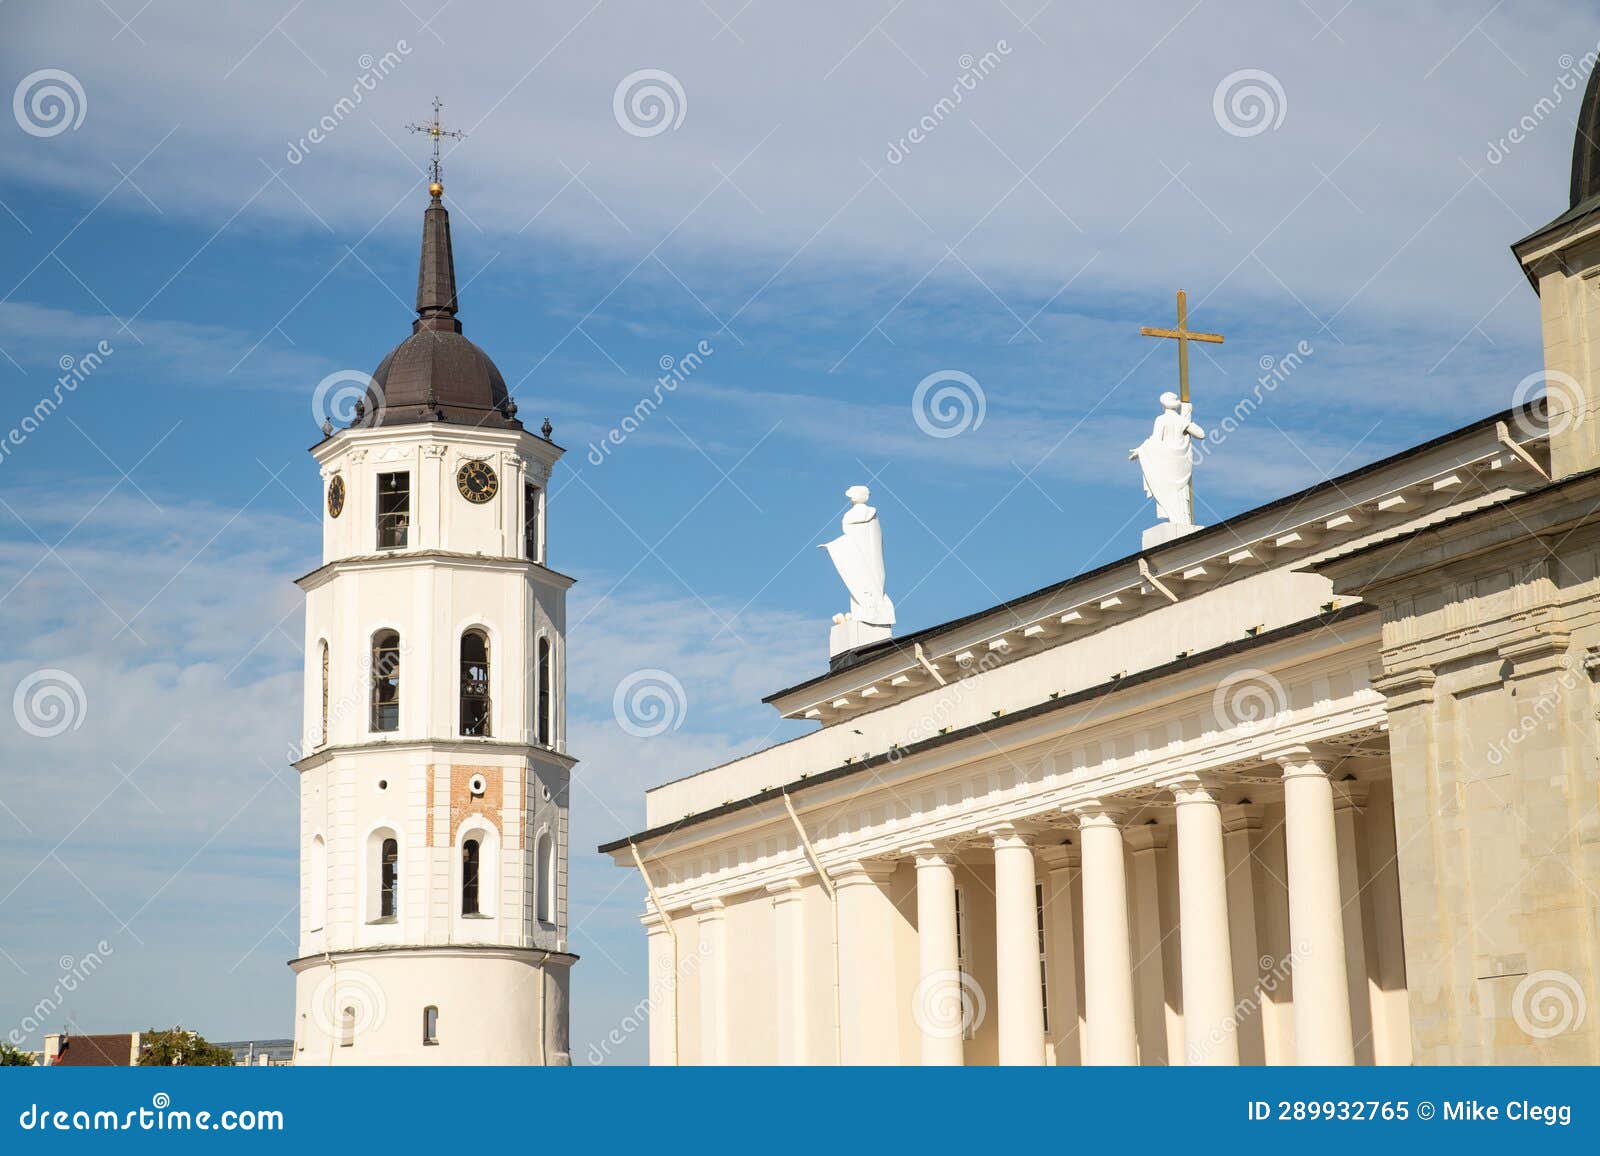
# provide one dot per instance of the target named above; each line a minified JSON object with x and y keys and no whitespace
{"x":663,"y":958}
{"x":1158,"y":1030}
{"x":788,"y":915}
{"x":941,"y":1007}
{"x":1348,"y":799}
{"x":1061,"y":952}
{"x":1239,"y":827}
{"x":1316,"y":924}
{"x":713,"y":981}
{"x":1107,"y":963}
{"x":1209,"y":1031}
{"x":1016,"y":938}
{"x":869,"y":1024}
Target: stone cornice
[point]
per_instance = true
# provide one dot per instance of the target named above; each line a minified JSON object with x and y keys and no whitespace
{"x":1393,"y":562}
{"x":395,"y":559}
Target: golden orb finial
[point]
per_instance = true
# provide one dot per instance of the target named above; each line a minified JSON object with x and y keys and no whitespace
{"x":436,"y":190}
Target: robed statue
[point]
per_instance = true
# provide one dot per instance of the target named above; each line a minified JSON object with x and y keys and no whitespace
{"x":857,"y":554}
{"x":1165,"y":462}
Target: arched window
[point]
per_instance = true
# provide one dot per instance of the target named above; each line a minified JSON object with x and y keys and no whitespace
{"x":530,"y":522}
{"x":471,"y":855}
{"x":545,"y":857}
{"x":317,"y":885}
{"x":347,"y":1027}
{"x":430,"y":1025}
{"x":389,"y":879}
{"x":475,"y":683}
{"x":386,"y":681}
{"x":543,"y":718}
{"x":322,"y":734}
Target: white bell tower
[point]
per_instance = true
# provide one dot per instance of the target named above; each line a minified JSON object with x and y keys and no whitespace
{"x":434,"y":773}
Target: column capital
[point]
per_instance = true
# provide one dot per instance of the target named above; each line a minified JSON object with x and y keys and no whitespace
{"x":1145,"y":837}
{"x":1059,"y":857}
{"x":785,"y":891}
{"x":930,"y":853}
{"x":1300,"y":759}
{"x":655,"y":923}
{"x":1006,"y":835}
{"x":1410,"y":686}
{"x":1241,"y":817}
{"x":1350,"y":795}
{"x":1097,"y":813}
{"x":1194,"y":787}
{"x":709,"y":909}
{"x":1543,"y":650}
{"x":860,"y":872}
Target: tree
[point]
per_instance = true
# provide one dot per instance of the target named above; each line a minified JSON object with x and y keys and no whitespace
{"x":178,"y":1047}
{"x":11,"y":1057}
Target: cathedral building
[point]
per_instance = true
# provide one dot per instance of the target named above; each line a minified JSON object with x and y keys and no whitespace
{"x":434,"y":776}
{"x":1316,"y":784}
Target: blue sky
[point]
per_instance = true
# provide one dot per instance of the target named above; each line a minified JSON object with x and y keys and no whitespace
{"x":153,"y":524}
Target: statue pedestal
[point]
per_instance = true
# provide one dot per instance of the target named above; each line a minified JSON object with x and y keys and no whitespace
{"x":849,"y":634}
{"x":1163,"y":532}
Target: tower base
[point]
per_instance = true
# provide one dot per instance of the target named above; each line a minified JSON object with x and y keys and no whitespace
{"x":495,"y":1005}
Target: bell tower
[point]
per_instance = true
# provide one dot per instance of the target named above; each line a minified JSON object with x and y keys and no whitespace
{"x":434,"y":772}
{"x":1562,"y":259}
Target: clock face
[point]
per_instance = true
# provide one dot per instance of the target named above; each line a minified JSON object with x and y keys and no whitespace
{"x":336,"y":496}
{"x":477,"y":482}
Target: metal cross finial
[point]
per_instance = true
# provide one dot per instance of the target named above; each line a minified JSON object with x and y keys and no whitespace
{"x":435,"y":129}
{"x":1183,"y":335}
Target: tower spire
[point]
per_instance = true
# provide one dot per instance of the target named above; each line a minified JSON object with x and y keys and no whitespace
{"x":436,"y":272}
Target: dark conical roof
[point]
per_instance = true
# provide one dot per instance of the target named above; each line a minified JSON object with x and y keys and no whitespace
{"x":1586,"y":145}
{"x":436,"y":374}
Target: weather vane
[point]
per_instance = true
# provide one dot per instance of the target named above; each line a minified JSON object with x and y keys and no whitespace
{"x":435,"y":129}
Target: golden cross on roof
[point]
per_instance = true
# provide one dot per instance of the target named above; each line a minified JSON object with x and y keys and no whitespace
{"x":1182,"y":335}
{"x":436,"y":130}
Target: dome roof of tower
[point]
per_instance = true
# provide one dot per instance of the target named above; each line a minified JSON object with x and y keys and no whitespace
{"x":436,"y":374}
{"x":1586,"y":145}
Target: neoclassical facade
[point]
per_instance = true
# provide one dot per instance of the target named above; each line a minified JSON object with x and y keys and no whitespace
{"x":1316,"y":785}
{"x":434,"y":772}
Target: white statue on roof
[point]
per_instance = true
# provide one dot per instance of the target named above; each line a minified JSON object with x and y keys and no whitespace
{"x":857,"y":555}
{"x":1164,"y":459}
